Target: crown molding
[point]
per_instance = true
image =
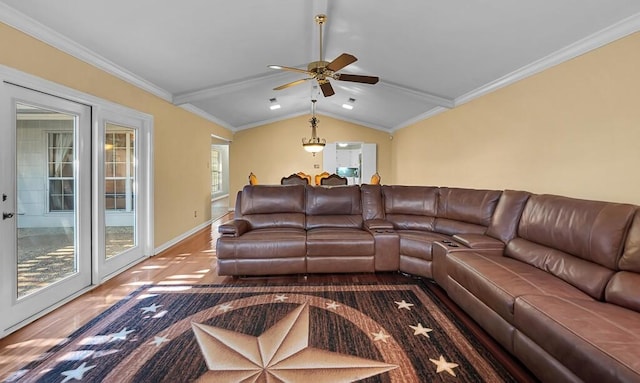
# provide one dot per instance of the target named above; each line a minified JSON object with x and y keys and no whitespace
{"x":355,"y":121}
{"x":270,"y":120}
{"x":596,"y":40}
{"x":47,"y":35}
{"x":428,"y":114}
{"x":199,"y":112}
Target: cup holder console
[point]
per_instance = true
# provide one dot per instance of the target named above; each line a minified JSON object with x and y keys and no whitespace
{"x":449,"y":243}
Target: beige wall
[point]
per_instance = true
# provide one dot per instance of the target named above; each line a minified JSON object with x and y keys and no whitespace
{"x":182,"y":140}
{"x":572,"y":130}
{"x":274,"y":150}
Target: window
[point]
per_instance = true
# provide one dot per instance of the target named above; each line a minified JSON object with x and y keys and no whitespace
{"x":60,"y":171}
{"x":216,"y":171}
{"x":119,"y":169}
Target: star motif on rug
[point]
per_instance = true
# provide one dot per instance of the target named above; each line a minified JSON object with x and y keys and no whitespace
{"x":332,"y":306}
{"x":76,"y":374}
{"x":225,"y":307}
{"x":380,"y":336}
{"x":443,"y":365}
{"x":153,"y":308}
{"x":404,"y":305}
{"x":419,"y":330}
{"x":121,"y":335}
{"x":281,"y":298}
{"x":281,"y":353}
{"x":158,"y":340}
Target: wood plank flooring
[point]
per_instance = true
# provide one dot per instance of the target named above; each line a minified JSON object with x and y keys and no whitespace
{"x":188,"y":262}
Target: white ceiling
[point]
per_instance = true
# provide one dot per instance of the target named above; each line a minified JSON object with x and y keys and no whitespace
{"x":211,"y":57}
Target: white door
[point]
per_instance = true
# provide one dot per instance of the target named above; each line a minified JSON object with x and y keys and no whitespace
{"x":45,"y":200}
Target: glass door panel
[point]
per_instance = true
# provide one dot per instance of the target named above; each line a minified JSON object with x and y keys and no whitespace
{"x":46,"y":214}
{"x":119,"y":190}
{"x":45,"y":177}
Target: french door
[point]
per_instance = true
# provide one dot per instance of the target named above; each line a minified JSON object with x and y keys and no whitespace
{"x":45,"y":190}
{"x":119,"y":212}
{"x":75,"y":195}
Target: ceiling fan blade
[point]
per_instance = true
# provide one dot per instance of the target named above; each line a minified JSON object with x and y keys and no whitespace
{"x":356,"y":78}
{"x":293,"y":83}
{"x":327,"y":89}
{"x":291,"y":69}
{"x":341,"y":61}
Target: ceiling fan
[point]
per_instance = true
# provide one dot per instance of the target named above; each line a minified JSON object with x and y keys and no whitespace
{"x":322,"y":70}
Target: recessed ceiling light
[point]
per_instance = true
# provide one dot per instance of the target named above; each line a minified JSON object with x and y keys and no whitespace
{"x":274,"y":104}
{"x":349,"y":104}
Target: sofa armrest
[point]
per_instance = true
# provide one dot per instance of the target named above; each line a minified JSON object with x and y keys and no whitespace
{"x":479,"y":241}
{"x":234,"y":228}
{"x":373,"y":225}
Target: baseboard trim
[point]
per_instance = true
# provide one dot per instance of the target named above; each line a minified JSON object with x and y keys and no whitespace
{"x":181,"y":237}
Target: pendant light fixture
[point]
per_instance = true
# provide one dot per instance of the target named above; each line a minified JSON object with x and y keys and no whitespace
{"x":315,"y":144}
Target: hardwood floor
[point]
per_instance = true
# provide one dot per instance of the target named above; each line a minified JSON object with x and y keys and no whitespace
{"x":189,"y":262}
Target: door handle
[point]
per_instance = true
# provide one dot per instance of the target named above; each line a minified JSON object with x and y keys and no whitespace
{"x":6,"y":215}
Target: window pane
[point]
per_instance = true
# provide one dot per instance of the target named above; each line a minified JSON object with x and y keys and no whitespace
{"x":68,"y":202}
{"x":67,"y":170}
{"x":55,"y":202}
{"x":121,"y":202}
{"x":120,"y":169}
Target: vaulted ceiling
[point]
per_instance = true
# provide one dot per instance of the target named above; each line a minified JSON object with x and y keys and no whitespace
{"x":212,"y":57}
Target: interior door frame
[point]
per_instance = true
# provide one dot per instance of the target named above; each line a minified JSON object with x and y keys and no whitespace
{"x":98,"y":106}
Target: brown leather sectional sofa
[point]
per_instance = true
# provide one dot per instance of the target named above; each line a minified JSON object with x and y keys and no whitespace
{"x":555,"y":280}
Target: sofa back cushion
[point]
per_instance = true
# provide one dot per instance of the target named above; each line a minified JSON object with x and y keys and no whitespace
{"x":273,"y":206}
{"x":577,"y":240}
{"x":338,"y":206}
{"x":505,"y":219}
{"x":623,"y":289}
{"x":410,"y":207}
{"x":465,"y":210}
{"x":372,"y":206}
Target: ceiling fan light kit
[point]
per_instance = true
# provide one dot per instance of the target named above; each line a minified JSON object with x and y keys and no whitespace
{"x":322,"y":70}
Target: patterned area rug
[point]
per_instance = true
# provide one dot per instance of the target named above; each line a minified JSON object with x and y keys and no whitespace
{"x":294,"y":333}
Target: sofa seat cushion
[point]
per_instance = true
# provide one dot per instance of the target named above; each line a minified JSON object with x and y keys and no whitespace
{"x":263,"y":243}
{"x":418,"y":244}
{"x":497,"y":280}
{"x":339,"y":242}
{"x":598,"y":341}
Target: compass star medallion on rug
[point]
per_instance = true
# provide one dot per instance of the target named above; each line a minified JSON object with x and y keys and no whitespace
{"x":282,"y":352}
{"x":324,"y":333}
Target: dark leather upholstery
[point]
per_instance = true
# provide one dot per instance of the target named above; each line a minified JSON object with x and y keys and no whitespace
{"x":335,"y":231}
{"x":269,"y":235}
{"x":422,"y":215}
{"x":555,"y":280}
{"x":561,"y":296}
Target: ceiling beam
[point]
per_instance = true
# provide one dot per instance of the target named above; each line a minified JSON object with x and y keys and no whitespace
{"x":217,"y":90}
{"x":431,"y":98}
